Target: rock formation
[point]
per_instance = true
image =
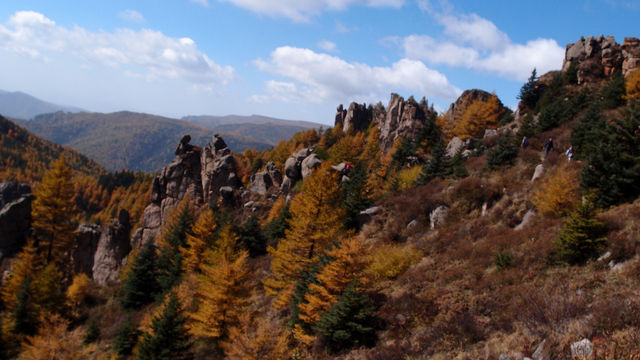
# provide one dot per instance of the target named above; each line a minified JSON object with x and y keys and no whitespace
{"x":113,"y":247}
{"x":267,"y":180}
{"x":600,"y":57}
{"x":299,"y":166}
{"x":463,"y":101}
{"x":82,"y":256}
{"x":15,"y":216}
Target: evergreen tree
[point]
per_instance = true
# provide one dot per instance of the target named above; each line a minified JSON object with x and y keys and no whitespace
{"x":529,"y":93}
{"x":586,"y":135}
{"x":173,"y":238}
{"x":93,"y":332}
{"x":458,"y":169}
{"x":504,"y":153}
{"x":582,"y":236}
{"x":169,"y":339}
{"x":275,"y":229}
{"x":252,"y":237}
{"x":52,"y":212}
{"x":571,"y":75}
{"x":141,"y":284}
{"x":349,"y":322}
{"x":613,"y":164}
{"x":355,"y":196}
{"x":125,"y":339}
{"x":438,"y":166}
{"x":613,"y":93}
{"x":25,"y":315}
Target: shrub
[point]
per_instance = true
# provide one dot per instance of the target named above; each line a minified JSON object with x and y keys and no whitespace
{"x":558,"y":192}
{"x":407,"y":177}
{"x":632,"y":85}
{"x":389,"y":261}
{"x":502,"y":260}
{"x":613,"y":92}
{"x":582,"y":236}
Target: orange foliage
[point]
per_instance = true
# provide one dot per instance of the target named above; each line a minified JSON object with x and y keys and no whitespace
{"x":480,"y":115}
{"x":632,"y":85}
{"x":559,"y":191}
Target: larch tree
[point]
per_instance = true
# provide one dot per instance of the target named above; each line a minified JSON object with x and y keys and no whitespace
{"x":52,"y":212}
{"x":480,"y":115}
{"x":255,"y":338}
{"x":26,"y":265}
{"x":316,"y":220}
{"x":202,"y":236}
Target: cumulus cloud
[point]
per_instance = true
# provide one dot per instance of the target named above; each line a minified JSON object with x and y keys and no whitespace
{"x":303,"y":10}
{"x":131,"y":15}
{"x":476,"y":43}
{"x":316,"y":77}
{"x":327,"y":45}
{"x":149,"y":51}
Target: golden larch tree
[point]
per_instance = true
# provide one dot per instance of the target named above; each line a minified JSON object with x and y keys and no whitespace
{"x":202,"y":237}
{"x":26,"y":264}
{"x":632,"y":85}
{"x":52,"y":212}
{"x":316,"y":220}
{"x":256,"y":338}
{"x":480,"y":115}
{"x":559,"y":191}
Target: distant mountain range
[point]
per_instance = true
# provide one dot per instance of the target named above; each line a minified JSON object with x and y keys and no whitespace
{"x":19,"y":105}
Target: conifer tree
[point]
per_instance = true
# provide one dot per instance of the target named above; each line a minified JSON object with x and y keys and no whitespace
{"x":275,"y":229}
{"x":202,"y":236}
{"x":52,"y":212}
{"x":169,"y":339}
{"x":458,"y":169}
{"x":582,"y":236}
{"x":529,"y":93}
{"x":349,"y":322}
{"x":316,"y":221}
{"x":252,"y":238}
{"x":126,"y":338}
{"x":356,"y":197}
{"x":26,"y":265}
{"x":48,"y":289}
{"x":256,"y":338}
{"x":613,"y":93}
{"x":25,"y":316}
{"x":504,"y":153}
{"x":173,"y":238}
{"x":141,"y":284}
{"x":586,"y":135}
{"x":438,"y":165}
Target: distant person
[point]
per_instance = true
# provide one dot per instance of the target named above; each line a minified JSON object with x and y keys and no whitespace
{"x":525,"y":143}
{"x":570,"y":153}
{"x":548,"y":146}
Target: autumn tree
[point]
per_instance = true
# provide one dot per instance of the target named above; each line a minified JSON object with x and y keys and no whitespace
{"x":52,"y":211}
{"x":256,"y":338}
{"x":632,"y":85}
{"x":201,"y":237}
{"x":316,"y":221}
{"x":169,"y":339}
{"x":26,"y":265}
{"x":558,"y":192}
{"x":478,"y":117}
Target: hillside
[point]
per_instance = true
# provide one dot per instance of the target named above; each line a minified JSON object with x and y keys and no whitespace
{"x":24,"y":106}
{"x":261,"y":128}
{"x":25,"y":157}
{"x":125,"y":140}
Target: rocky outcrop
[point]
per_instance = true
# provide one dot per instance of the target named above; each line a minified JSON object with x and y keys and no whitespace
{"x":299,"y":166}
{"x":113,"y":247}
{"x":218,"y":169}
{"x":582,"y":349}
{"x":357,"y":118}
{"x":309,"y":164}
{"x":600,"y":57}
{"x":438,"y":216}
{"x":15,"y":216}
{"x":267,"y":180}
{"x":365,"y":216}
{"x":82,"y":256}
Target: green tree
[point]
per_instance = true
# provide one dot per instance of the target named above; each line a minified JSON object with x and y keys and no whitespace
{"x":504,"y":153}
{"x":613,"y":92}
{"x":355,"y":196}
{"x":529,"y":93}
{"x":571,"y":75}
{"x":126,"y":338}
{"x":92,"y":333}
{"x":349,"y":322}
{"x":170,"y":339}
{"x":582,"y":236}
{"x":25,"y":315}
{"x":586,"y":135}
{"x":438,"y":166}
{"x":173,"y":238}
{"x":141,"y":284}
{"x":252,"y":237}
{"x":275,"y":229}
{"x":458,"y":169}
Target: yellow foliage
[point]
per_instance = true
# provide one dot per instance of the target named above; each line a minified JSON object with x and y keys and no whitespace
{"x":254,"y":338}
{"x":407,"y":177}
{"x":316,"y":220}
{"x":558,"y":192}
{"x":632,"y":85}
{"x":445,"y":124}
{"x":480,"y":115}
{"x":371,"y":149}
{"x":202,"y":237}
{"x":348,"y":149}
{"x":276,"y":209}
{"x":390,"y":260}
{"x":78,"y":290}
{"x":27,"y":263}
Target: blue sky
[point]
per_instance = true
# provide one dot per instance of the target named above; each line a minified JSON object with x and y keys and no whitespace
{"x":294,"y":59}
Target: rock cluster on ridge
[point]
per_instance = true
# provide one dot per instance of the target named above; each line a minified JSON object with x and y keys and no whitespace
{"x":598,"y":57}
{"x":15,"y":216}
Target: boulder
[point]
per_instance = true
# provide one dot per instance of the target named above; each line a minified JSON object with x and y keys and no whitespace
{"x":287,"y":184}
{"x":357,"y":118}
{"x":542,"y":352}
{"x":438,"y":215}
{"x":292,"y":169}
{"x":310,"y":163}
{"x":526,"y":220}
{"x":82,"y":255}
{"x":15,"y":216}
{"x":538,"y":172}
{"x":413,"y":223}
{"x":504,"y":357}
{"x":454,"y":145}
{"x":274,"y":173}
{"x":365,"y":216}
{"x":113,"y":247}
{"x":489,"y":133}
{"x":582,"y":349}
{"x":260,"y":183}
{"x":601,"y":57}
{"x":302,"y":154}
{"x":226,"y":194}
{"x":11,"y":190}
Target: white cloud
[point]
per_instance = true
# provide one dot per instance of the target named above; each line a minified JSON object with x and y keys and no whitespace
{"x":327,"y":45}
{"x":131,"y":15}
{"x":204,"y":3}
{"x":150,"y":52}
{"x":315,"y":77}
{"x":303,"y":10}
{"x":476,"y":43}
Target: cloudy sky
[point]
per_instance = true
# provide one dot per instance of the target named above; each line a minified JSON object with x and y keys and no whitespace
{"x":293,"y":59}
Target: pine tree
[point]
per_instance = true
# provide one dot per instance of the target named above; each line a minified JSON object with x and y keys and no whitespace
{"x":582,"y":236}
{"x":252,"y":238}
{"x":458,"y":169}
{"x":613,"y":93}
{"x":170,"y":339}
{"x":437,"y":166}
{"x":355,"y":196}
{"x":349,"y":322}
{"x":173,"y":238}
{"x":141,"y":284}
{"x":275,"y":229}
{"x":504,"y":153}
{"x":93,"y":332}
{"x":529,"y":93}
{"x":125,"y":339}
{"x":316,"y":221}
{"x":202,"y":236}
{"x":52,"y":212}
{"x":586,"y":135}
{"x":25,"y":315}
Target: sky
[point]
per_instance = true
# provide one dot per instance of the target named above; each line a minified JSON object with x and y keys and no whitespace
{"x":291,"y":59}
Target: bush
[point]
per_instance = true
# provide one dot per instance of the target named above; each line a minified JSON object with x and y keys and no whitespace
{"x":632,"y":85}
{"x":613,"y":92}
{"x":389,"y":261}
{"x":502,"y":260}
{"x":582,"y":236}
{"x":407,"y":177}
{"x":503,"y":154}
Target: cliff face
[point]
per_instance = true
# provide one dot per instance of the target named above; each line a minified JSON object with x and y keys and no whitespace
{"x":600,"y":57}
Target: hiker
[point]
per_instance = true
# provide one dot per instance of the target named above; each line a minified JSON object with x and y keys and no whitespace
{"x":548,"y":146}
{"x":525,"y":143}
{"x":569,"y":153}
